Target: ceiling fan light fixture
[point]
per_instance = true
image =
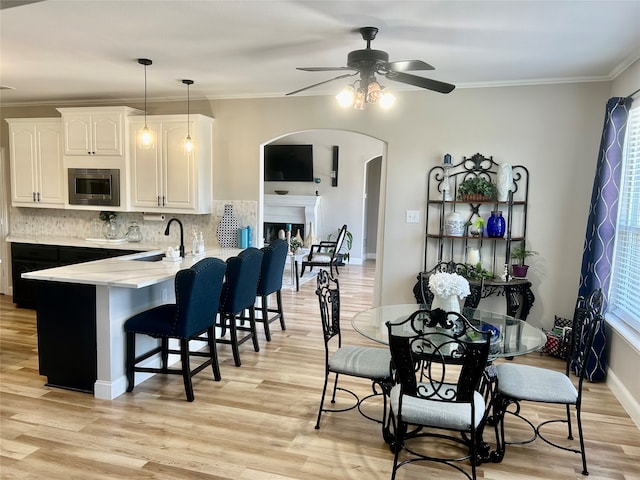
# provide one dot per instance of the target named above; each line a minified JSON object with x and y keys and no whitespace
{"x":374,"y":91}
{"x":146,"y":136}
{"x":386,"y":100}
{"x":347,"y":96}
{"x":188,"y":143}
{"x":360,"y":100}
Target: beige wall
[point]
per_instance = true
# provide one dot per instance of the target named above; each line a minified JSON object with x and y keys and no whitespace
{"x":554,"y":130}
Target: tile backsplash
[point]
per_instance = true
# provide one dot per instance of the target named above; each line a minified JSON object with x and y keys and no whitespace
{"x":78,"y":223}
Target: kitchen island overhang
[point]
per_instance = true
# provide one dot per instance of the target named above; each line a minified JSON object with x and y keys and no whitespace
{"x":94,"y":299}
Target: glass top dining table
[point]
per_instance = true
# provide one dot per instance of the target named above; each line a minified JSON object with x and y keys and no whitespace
{"x":512,"y":336}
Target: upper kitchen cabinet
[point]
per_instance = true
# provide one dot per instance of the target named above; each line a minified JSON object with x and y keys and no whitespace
{"x":96,"y":131}
{"x":164,"y":178}
{"x":35,"y":146}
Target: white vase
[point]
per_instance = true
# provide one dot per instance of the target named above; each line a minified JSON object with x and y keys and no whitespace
{"x":504,"y":181}
{"x":311,"y":238}
{"x":450,"y":303}
{"x":454,"y":224}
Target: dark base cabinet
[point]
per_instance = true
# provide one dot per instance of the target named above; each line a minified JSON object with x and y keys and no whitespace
{"x":66,"y":319}
{"x":28,"y":257}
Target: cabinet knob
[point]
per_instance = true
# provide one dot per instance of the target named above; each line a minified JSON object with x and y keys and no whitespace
{"x":164,"y":201}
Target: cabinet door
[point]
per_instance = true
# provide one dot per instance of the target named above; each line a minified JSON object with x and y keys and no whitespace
{"x":22,"y":141}
{"x":93,"y":133}
{"x":178,"y":183}
{"x":107,"y":133}
{"x":146,"y":169}
{"x":50,"y":170}
{"x":77,"y":134}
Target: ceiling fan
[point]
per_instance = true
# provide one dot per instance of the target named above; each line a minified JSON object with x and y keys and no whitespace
{"x":369,"y":62}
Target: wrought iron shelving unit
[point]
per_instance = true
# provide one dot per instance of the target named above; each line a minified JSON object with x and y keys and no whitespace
{"x":443,"y":251}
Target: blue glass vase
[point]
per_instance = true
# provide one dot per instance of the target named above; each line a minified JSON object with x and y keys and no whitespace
{"x":496,"y":226}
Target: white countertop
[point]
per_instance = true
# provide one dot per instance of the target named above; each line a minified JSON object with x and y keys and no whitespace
{"x":124,"y":271}
{"x":82,"y":242}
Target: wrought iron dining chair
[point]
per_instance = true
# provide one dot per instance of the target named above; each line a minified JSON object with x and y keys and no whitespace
{"x":325,"y":254}
{"x":439,"y":360}
{"x":273,"y":260}
{"x":237,"y":301}
{"x":370,"y":363}
{"x":197,"y":299}
{"x":518,"y":383}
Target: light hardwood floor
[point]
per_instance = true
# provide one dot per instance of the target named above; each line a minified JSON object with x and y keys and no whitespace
{"x":258,"y":422}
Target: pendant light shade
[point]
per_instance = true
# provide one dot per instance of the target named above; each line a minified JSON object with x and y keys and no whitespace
{"x":188,"y":144}
{"x":146,"y":136}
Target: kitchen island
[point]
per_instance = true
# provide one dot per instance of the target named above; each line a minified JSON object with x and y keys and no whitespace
{"x":81,"y":310}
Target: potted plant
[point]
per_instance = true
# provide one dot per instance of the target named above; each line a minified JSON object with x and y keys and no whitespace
{"x":476,"y":226}
{"x":476,"y":188}
{"x":520,"y":254}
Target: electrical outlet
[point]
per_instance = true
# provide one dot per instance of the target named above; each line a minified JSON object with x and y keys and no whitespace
{"x":413,"y":216}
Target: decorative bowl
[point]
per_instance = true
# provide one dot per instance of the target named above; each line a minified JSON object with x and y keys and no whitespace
{"x":281,"y":192}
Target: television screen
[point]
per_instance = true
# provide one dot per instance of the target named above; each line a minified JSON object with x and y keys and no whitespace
{"x":288,"y":163}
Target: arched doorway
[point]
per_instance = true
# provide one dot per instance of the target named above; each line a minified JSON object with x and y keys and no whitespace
{"x":347,"y":199}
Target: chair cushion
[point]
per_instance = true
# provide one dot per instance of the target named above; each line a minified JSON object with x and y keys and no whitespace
{"x":535,"y":384}
{"x":435,"y":413}
{"x":365,"y":362}
{"x":318,"y":258}
{"x":159,"y":321}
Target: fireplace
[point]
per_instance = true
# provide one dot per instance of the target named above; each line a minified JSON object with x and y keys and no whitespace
{"x":271,"y":230}
{"x":297,"y":210}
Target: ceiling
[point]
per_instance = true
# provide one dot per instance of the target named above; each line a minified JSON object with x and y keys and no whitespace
{"x":86,"y":51}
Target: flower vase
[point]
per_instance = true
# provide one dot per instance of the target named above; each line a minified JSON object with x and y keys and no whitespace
{"x":111,"y":229}
{"x":504,"y":180}
{"x":448,"y":303}
{"x":496,"y":225}
{"x":227,"y":231}
{"x":311,"y":238}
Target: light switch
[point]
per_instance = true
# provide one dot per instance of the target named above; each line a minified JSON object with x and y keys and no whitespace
{"x":413,"y":216}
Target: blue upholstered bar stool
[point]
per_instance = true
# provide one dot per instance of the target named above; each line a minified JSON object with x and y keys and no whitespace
{"x":198,"y":292}
{"x":275,"y":256}
{"x":239,"y":296}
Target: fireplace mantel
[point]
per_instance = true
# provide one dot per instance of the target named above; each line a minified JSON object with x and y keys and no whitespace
{"x":293,"y":209}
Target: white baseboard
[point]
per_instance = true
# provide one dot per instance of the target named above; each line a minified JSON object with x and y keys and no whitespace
{"x":629,"y":403}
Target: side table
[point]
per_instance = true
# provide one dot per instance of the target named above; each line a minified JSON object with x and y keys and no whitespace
{"x":294,"y":259}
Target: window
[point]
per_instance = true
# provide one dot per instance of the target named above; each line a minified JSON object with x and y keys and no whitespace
{"x":624,"y":301}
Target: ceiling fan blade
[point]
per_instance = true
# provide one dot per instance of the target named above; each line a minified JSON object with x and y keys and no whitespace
{"x":421,"y":82}
{"x":323,"y":69}
{"x":322,"y":83}
{"x":406,"y":65}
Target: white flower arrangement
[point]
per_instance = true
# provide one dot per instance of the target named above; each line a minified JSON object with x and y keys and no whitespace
{"x":445,"y":284}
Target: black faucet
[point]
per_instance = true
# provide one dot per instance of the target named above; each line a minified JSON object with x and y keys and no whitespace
{"x":166,"y":232}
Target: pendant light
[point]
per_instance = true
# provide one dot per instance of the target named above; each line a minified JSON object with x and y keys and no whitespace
{"x":188,"y":144}
{"x":146,"y":136}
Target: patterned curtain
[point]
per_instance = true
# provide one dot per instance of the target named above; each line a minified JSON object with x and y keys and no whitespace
{"x":597,"y":255}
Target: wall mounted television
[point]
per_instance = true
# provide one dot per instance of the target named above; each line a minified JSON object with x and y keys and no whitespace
{"x":288,"y":163}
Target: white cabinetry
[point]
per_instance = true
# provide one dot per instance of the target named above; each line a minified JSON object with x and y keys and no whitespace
{"x":36,"y":162}
{"x":163,"y":177}
{"x":94,"y":131}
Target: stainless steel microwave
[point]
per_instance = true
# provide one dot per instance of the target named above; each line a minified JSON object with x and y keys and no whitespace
{"x":94,"y":186}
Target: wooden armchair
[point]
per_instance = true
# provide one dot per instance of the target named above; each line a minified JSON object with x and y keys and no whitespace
{"x":325,"y":253}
